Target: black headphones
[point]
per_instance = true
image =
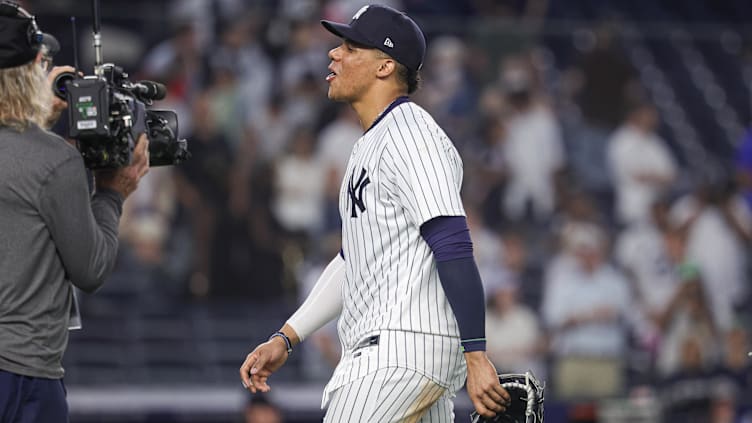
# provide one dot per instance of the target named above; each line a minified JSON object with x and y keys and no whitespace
{"x":11,"y":9}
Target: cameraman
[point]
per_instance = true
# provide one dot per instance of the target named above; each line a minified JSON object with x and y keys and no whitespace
{"x":53,"y":234}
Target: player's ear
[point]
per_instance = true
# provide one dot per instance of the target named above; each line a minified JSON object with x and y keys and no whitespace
{"x":386,"y":67}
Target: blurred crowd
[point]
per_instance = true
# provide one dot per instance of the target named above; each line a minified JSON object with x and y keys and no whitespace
{"x":611,"y":267}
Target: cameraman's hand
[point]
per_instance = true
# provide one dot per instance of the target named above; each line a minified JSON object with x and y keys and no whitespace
{"x":125,"y":179}
{"x":58,"y":104}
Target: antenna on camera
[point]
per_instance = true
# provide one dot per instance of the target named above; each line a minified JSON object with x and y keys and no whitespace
{"x":97,"y":39}
{"x":75,"y":43}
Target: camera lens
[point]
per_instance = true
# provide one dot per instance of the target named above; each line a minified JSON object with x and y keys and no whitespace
{"x":59,"y":85}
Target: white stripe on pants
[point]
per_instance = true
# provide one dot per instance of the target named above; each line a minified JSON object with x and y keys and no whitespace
{"x":391,"y":394}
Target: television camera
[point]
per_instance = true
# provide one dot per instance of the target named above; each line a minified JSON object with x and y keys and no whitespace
{"x":107,"y":112}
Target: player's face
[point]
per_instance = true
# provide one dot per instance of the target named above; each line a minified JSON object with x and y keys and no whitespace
{"x":351,"y":71}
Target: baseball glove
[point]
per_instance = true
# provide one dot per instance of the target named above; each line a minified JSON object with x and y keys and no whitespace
{"x":527,"y":400}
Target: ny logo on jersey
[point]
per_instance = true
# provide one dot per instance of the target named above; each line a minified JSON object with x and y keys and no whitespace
{"x":359,"y":186}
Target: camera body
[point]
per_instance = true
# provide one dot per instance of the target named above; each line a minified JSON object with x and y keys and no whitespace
{"x":107,"y":112}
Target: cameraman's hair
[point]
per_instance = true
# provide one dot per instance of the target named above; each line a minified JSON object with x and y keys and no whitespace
{"x":410,"y":79}
{"x":26,"y":96}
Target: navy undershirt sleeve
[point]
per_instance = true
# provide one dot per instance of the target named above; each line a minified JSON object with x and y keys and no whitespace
{"x":449,"y":239}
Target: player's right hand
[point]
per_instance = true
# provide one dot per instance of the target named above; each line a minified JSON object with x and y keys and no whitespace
{"x":261,"y":363}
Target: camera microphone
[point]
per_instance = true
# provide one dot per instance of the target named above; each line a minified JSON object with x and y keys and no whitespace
{"x":150,"y":89}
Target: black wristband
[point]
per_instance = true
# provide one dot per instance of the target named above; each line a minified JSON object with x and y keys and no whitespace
{"x":285,"y":338}
{"x":471,"y":345}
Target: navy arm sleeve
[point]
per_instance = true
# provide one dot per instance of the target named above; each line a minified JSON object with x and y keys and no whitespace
{"x":449,"y":239}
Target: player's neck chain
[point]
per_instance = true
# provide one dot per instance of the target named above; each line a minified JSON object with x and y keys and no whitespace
{"x":399,"y":100}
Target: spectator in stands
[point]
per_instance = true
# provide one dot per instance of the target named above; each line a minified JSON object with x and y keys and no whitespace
{"x":515,"y":338}
{"x":642,"y":250}
{"x":603,"y":76}
{"x":736,"y":366}
{"x":449,"y":90}
{"x":577,"y":206}
{"x":488,"y":247}
{"x":650,"y":252}
{"x":504,"y":257}
{"x":303,"y":56}
{"x":525,"y":262}
{"x":148,"y":215}
{"x":502,"y":29}
{"x":177,"y":61}
{"x":335,"y":142}
{"x":226,"y":100}
{"x":306,"y":108}
{"x":686,"y":394}
{"x":688,"y":314}
{"x":485,"y":169}
{"x":533,"y":149}
{"x":145,"y":235}
{"x":270,"y":129}
{"x":719,"y":231}
{"x":585,"y":307}
{"x":250,"y":246}
{"x":206,"y":16}
{"x":299,"y":179}
{"x":240,"y":47}
{"x":260,"y":409}
{"x":642,"y":166}
{"x":333,"y":149}
{"x":202,"y":189}
{"x":600,"y":82}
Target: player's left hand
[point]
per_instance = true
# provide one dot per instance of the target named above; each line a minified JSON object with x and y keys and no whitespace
{"x":488,"y":396}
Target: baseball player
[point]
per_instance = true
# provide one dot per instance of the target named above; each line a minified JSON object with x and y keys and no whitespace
{"x":405,"y":285}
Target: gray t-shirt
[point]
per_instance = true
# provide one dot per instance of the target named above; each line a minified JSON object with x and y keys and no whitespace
{"x":53,"y":235}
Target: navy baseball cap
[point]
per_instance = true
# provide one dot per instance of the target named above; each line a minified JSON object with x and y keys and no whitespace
{"x":386,"y":29}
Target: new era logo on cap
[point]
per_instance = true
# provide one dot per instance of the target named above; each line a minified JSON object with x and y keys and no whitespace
{"x":386,"y":29}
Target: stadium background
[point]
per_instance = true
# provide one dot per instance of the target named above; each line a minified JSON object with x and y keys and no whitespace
{"x":215,"y":253}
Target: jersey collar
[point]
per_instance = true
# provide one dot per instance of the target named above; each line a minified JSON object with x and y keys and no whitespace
{"x":399,"y":100}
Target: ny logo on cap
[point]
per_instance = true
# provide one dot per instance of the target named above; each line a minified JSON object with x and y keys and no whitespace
{"x":388,"y":42}
{"x":360,"y":12}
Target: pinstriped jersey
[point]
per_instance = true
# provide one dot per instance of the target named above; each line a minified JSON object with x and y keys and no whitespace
{"x":402,"y":172}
